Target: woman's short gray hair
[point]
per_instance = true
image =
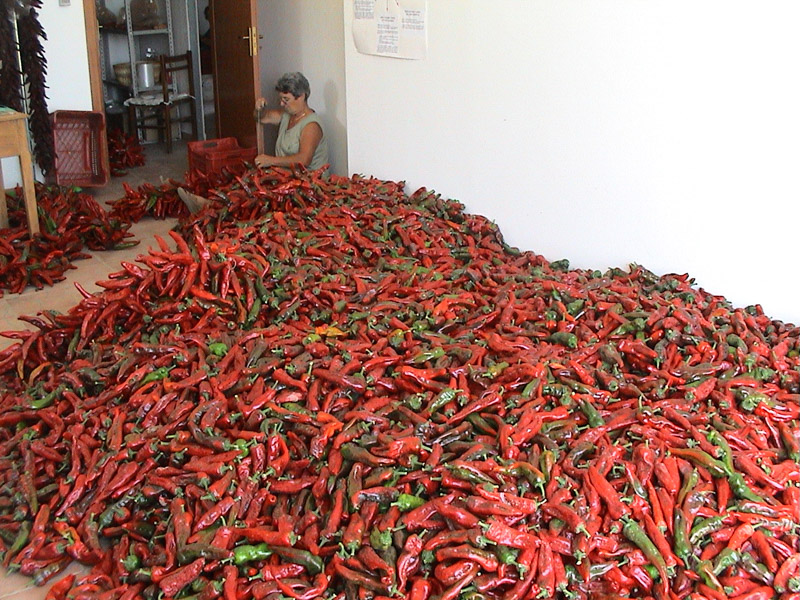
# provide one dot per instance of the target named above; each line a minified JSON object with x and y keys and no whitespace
{"x":294,"y":84}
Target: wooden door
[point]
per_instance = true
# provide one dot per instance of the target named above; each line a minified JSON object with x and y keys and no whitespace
{"x":236,"y":71}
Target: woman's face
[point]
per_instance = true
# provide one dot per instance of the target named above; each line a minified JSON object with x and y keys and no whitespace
{"x":292,"y":104}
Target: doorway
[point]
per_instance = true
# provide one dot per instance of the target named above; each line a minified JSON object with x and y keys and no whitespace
{"x":109,"y":44}
{"x":193,"y":24}
{"x":206,"y":59}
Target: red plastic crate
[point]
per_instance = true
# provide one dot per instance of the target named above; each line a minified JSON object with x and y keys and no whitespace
{"x":78,"y":137}
{"x":210,"y":156}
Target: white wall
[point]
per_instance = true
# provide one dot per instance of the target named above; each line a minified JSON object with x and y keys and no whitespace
{"x":662,"y":133}
{"x":67,"y":67}
{"x":307,"y":36}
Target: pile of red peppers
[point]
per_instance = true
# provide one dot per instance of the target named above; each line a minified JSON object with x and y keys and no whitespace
{"x":325,"y":388}
{"x":69,"y":220}
{"x":124,"y":152}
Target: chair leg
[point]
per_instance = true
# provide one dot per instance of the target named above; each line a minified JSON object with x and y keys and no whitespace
{"x":193,"y":105}
{"x":134,"y":130}
{"x":159,"y":118}
{"x":168,"y":127}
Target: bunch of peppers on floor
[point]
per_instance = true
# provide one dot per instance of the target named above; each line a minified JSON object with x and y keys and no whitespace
{"x":328,"y":389}
{"x":70,"y":220}
{"x":124,"y":152}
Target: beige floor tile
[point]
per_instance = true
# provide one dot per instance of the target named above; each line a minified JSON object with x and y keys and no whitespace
{"x":17,"y":586}
{"x":20,"y":587}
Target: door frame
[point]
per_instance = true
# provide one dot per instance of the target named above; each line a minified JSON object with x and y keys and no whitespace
{"x":93,"y":48}
{"x":95,"y":76}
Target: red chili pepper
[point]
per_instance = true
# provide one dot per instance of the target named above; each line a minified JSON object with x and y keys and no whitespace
{"x":501,"y":533}
{"x":58,"y":591}
{"x":174,"y":582}
{"x":609,"y":495}
{"x":740,"y":535}
{"x":421,"y":589}
{"x":451,"y":573}
{"x":786,"y":571}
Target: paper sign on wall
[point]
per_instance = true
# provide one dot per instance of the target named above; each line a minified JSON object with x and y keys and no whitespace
{"x":393,"y":28}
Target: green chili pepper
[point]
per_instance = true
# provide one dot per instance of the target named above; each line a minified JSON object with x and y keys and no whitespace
{"x":527,"y":391}
{"x":23,"y":533}
{"x":564,"y":338}
{"x":546,"y":462}
{"x":652,"y":571}
{"x":734,"y":340}
{"x":472,"y":594}
{"x":116,"y":509}
{"x":407,"y":502}
{"x":427,"y":355}
{"x":728,"y":557}
{"x":740,"y":488}
{"x":683,"y":547}
{"x":380,"y":540}
{"x":131,"y":563}
{"x":218,"y":348}
{"x":444,"y":397}
{"x":633,"y":531}
{"x":46,"y":400}
{"x":705,"y":527}
{"x":688,"y":486}
{"x":700,"y":458}
{"x":481,"y":424}
{"x":496,"y":369}
{"x":506,"y":554}
{"x":592,"y":415}
{"x":574,"y":307}
{"x":157,"y":375}
{"x":471,"y":475}
{"x":251,"y":553}
{"x":533,"y":475}
{"x":716,"y":438}
{"x":313,"y":564}
{"x":706,"y":571}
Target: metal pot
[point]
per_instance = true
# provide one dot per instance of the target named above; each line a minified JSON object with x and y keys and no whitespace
{"x":146,"y":74}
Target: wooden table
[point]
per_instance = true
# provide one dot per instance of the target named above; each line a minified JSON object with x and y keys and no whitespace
{"x":14,"y":142}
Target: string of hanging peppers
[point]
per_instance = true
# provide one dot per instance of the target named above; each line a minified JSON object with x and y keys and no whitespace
{"x":328,"y":389}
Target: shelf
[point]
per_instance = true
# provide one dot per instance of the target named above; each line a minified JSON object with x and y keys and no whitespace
{"x":114,"y":29}
{"x":161,"y":31}
{"x":118,"y":84}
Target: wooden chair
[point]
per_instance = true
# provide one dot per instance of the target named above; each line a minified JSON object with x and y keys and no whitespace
{"x":171,"y":67}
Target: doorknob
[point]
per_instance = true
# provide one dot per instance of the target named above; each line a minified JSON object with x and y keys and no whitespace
{"x":252,"y":37}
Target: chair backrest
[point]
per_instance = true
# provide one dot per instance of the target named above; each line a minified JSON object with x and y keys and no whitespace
{"x":171,"y":65}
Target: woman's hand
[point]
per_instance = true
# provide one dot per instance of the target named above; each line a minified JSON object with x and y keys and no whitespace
{"x":265,"y":115}
{"x":264,"y":160}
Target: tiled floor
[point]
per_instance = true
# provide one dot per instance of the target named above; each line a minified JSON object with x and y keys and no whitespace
{"x":64,"y":294}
